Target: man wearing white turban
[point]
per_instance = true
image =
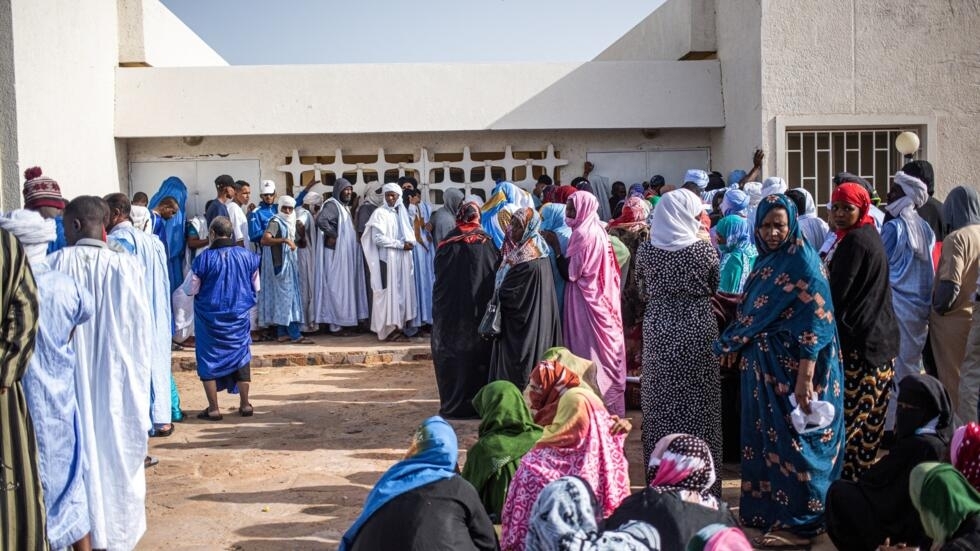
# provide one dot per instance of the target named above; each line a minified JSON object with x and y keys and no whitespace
{"x":279,"y":300}
{"x":908,"y":242}
{"x":49,"y":383}
{"x":388,"y":241}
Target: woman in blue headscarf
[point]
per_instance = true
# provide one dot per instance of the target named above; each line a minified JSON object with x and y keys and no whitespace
{"x":503,"y":194}
{"x":784,"y":342}
{"x":421,"y":502}
{"x":556,"y":233}
{"x":736,"y":245}
{"x":173,"y":228}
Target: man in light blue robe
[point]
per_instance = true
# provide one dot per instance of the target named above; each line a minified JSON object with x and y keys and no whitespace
{"x":152,"y":255}
{"x":49,"y":383}
{"x":279,"y":301}
{"x":908,"y":242}
{"x":223,"y":283}
{"x":112,"y":379}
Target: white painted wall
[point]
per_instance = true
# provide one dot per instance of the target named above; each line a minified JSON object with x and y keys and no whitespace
{"x":879,"y":57}
{"x":673,"y":30}
{"x":738,"y":34}
{"x":150,"y":34}
{"x":65,"y":54}
{"x":343,"y":99}
{"x":273,"y":150}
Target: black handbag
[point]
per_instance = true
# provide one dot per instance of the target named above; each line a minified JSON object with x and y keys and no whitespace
{"x":490,"y":324}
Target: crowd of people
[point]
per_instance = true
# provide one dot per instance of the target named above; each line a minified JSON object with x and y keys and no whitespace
{"x":551,"y":311}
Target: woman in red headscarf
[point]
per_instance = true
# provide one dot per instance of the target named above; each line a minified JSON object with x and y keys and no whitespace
{"x":866,"y":324}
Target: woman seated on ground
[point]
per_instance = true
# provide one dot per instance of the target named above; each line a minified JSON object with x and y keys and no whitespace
{"x":964,"y":452}
{"x":578,"y":443}
{"x":558,"y":371}
{"x":862,"y":514}
{"x":566,"y":516}
{"x":678,"y":501}
{"x":948,"y":507}
{"x":507,"y":432}
{"x":422,"y":503}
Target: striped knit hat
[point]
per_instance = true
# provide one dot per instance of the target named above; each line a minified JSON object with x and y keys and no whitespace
{"x":41,"y":191}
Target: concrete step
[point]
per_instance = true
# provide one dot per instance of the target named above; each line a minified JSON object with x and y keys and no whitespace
{"x":327,"y":352}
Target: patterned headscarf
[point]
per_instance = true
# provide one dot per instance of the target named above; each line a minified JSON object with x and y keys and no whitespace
{"x":468,"y":224}
{"x":794,"y":238}
{"x":635,"y":211}
{"x":682,"y":464}
{"x":943,"y":498}
{"x":635,"y":190}
{"x":531,"y":246}
{"x":567,"y":515}
{"x":549,"y":380}
{"x":964,"y":452}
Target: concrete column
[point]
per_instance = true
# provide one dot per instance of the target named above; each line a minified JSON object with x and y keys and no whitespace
{"x":9,"y":173}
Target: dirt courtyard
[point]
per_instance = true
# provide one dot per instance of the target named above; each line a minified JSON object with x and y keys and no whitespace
{"x":295,"y":475}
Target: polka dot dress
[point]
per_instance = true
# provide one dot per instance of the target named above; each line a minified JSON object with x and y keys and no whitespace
{"x":680,"y":386}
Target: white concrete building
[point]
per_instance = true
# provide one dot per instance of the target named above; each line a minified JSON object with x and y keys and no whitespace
{"x":821,"y":85}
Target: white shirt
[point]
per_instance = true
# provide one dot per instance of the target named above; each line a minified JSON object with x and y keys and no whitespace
{"x":239,"y":222}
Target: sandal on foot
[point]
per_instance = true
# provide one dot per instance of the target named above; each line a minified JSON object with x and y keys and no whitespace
{"x":303,"y":340}
{"x":162,"y":433}
{"x":781,"y":540}
{"x":206,"y":415}
{"x":398,"y":337}
{"x":150,"y":461}
{"x":246,"y":411}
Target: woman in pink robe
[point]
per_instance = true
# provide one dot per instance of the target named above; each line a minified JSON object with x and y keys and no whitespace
{"x":593,"y":323}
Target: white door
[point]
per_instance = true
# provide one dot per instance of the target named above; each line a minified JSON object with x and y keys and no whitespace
{"x":631,"y":167}
{"x":198,"y":176}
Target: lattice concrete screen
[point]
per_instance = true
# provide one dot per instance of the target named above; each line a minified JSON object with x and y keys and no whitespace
{"x":428,"y":169}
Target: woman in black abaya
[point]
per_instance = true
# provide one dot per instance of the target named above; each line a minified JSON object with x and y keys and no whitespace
{"x":530,"y":320}
{"x":465,"y":264}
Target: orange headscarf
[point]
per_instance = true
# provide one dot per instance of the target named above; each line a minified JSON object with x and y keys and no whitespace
{"x":549,"y":380}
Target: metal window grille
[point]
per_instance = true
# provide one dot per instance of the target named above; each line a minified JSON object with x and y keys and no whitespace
{"x":815,"y":156}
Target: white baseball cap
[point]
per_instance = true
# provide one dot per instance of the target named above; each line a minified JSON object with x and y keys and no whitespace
{"x":268,"y":186}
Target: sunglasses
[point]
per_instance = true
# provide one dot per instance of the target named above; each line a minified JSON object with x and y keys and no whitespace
{"x":286,"y":209}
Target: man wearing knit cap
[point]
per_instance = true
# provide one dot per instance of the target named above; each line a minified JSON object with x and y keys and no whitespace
{"x":258,"y":219}
{"x":43,"y":196}
{"x":113,"y":375}
{"x":49,"y":384}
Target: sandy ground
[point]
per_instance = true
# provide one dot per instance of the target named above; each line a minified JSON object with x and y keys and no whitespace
{"x":295,"y":475}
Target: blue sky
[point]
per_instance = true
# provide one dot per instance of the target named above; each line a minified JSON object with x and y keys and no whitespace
{"x":259,"y":32}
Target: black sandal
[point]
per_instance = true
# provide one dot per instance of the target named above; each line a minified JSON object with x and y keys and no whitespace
{"x":206,"y":415}
{"x":246,"y":412}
